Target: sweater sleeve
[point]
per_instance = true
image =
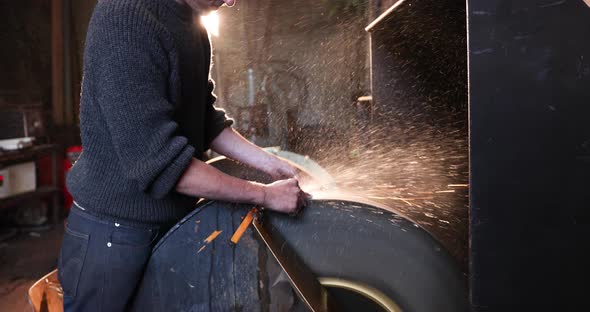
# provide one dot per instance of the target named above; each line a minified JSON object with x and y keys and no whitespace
{"x":218,"y":119}
{"x":130,"y":81}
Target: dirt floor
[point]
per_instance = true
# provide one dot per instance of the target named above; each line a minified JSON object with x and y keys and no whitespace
{"x":24,"y":259}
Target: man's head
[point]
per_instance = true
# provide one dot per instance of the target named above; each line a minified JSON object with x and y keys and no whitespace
{"x":207,"y":5}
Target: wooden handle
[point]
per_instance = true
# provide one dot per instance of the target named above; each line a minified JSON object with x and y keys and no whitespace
{"x":244,"y":225}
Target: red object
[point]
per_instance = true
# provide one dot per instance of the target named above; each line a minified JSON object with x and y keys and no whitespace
{"x":72,"y":154}
{"x":44,"y":170}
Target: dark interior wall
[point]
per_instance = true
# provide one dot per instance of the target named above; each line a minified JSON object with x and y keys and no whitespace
{"x":530,"y":154}
{"x":25,"y":56}
{"x":26,"y":61}
{"x":76,"y":15}
{"x":80,"y":12}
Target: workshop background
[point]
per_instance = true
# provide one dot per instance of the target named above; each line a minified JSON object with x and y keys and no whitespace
{"x":481,"y":139}
{"x":42,"y":76}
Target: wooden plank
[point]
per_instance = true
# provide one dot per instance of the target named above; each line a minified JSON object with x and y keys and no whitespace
{"x":46,"y":294}
{"x":221,"y":280}
{"x":249,"y":291}
{"x":201,"y":276}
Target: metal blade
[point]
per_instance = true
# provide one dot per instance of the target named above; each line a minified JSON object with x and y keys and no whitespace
{"x":302,"y":279}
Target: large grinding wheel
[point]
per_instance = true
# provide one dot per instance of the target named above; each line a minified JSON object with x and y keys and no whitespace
{"x":370,"y":258}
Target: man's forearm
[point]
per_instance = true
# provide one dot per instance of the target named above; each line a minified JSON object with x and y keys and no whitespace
{"x":231,"y":144}
{"x":203,"y":180}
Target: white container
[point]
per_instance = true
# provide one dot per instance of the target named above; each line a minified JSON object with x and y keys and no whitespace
{"x":18,"y":179}
{"x":16,"y":144}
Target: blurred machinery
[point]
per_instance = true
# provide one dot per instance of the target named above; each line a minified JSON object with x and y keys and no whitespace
{"x":276,"y":95}
{"x":19,"y":127}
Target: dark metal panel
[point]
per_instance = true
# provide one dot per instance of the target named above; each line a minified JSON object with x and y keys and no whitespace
{"x":529,"y":69}
{"x":419,"y":88}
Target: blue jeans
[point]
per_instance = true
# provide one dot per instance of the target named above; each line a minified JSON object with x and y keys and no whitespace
{"x":101,"y":263}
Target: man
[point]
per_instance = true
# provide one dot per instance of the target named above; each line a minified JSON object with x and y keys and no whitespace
{"x":146,"y":118}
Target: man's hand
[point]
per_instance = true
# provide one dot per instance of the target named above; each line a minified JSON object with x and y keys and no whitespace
{"x":284,"y":196}
{"x":279,"y":168}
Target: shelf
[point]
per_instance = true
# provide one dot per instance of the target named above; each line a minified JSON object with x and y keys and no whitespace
{"x":8,"y":158}
{"x":27,"y":153}
{"x":39,"y":192}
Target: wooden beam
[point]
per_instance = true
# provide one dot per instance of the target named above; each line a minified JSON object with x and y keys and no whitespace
{"x":57,"y":74}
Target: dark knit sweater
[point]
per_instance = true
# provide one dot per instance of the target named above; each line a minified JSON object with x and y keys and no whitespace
{"x":146,"y":110}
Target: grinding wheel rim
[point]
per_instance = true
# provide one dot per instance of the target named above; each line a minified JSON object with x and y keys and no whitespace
{"x":365,"y":290}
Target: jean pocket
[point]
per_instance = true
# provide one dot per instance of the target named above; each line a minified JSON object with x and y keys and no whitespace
{"x":71,"y":260}
{"x":133,"y":237}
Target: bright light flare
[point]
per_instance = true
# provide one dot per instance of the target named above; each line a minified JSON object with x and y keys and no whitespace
{"x":211,"y":22}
